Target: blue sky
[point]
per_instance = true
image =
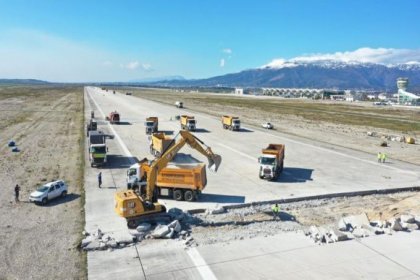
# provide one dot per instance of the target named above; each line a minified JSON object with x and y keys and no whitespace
{"x":126,"y":40}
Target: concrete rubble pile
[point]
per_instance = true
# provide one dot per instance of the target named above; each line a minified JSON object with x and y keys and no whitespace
{"x":97,"y":240}
{"x":394,"y":138}
{"x":359,"y":226}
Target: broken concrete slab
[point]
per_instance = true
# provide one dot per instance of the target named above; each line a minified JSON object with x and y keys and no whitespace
{"x":360,"y":232}
{"x":357,"y":220}
{"x":337,"y":235}
{"x":170,"y":234}
{"x":176,"y":225}
{"x":86,"y":241}
{"x":98,"y":233}
{"x":123,"y":238}
{"x":112,"y":244}
{"x":396,"y":224}
{"x":342,"y":225}
{"x":94,"y":245}
{"x":176,"y":213}
{"x":216,"y":210}
{"x":106,"y":237}
{"x":160,"y":231}
{"x":143,"y":227}
{"x":407,"y":219}
{"x":409,"y":226}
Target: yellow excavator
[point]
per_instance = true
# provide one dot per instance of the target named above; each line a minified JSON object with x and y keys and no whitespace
{"x":142,"y":206}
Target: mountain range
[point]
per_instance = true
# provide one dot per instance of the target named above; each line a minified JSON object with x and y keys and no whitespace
{"x":327,"y":74}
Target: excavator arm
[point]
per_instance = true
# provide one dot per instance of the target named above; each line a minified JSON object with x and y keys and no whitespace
{"x":169,"y":154}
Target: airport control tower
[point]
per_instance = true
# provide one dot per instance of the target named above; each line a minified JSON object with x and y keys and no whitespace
{"x":405,"y":97}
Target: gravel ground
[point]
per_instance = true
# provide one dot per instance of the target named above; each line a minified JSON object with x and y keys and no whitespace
{"x":39,"y":242}
{"x":250,"y":222}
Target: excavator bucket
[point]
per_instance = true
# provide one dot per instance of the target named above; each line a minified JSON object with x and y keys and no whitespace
{"x":214,"y":162}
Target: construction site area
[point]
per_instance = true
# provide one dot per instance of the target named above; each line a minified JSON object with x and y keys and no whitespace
{"x":171,"y":185}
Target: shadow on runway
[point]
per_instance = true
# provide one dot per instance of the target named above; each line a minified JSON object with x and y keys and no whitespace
{"x":202,"y":130}
{"x":119,"y":161}
{"x":245,"y":130}
{"x":123,"y":123}
{"x":69,"y":197}
{"x":220,"y":198}
{"x":167,"y":132}
{"x":295,"y":175}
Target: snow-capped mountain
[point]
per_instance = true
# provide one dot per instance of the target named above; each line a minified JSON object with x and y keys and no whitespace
{"x":325,"y":73}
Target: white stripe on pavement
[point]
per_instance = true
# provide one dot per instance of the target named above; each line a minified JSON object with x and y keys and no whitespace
{"x":201,"y":264}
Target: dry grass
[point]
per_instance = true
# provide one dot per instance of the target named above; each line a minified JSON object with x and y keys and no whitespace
{"x":401,"y":120}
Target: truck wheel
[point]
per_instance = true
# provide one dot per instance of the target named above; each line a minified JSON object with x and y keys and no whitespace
{"x":261,"y":177}
{"x":178,"y":195}
{"x":131,"y":224}
{"x":44,"y":201}
{"x":189,"y":196}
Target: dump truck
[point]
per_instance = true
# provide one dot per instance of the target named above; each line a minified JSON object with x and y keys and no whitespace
{"x":114,"y":117}
{"x":159,"y":143}
{"x":151,"y":125}
{"x":179,"y":104}
{"x":140,"y":204}
{"x":188,"y":123}
{"x":97,"y":148}
{"x":232,"y":123}
{"x":91,"y":126}
{"x":272,"y":161}
{"x":185,"y":183}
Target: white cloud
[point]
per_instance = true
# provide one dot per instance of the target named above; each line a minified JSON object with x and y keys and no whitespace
{"x":133,"y":65}
{"x":227,"y":50}
{"x":222,"y":62}
{"x":146,"y":66}
{"x":386,"y":56}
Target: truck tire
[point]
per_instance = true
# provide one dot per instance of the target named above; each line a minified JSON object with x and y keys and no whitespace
{"x":261,"y":177}
{"x":178,"y":195}
{"x":189,"y":196}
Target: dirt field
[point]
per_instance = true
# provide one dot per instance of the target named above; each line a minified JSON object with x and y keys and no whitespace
{"x":39,"y":242}
{"x":339,"y":123}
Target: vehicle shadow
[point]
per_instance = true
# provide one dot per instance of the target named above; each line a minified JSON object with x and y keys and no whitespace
{"x":59,"y":200}
{"x":245,"y":130}
{"x":167,"y":132}
{"x":221,"y":198}
{"x":118,"y":161}
{"x":282,"y":215}
{"x":295,"y":175}
{"x":124,"y":123}
{"x":202,"y":130}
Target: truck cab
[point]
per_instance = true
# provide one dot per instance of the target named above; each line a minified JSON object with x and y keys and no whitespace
{"x":188,"y":123}
{"x":191,"y":124}
{"x":236,"y":124}
{"x":151,"y":125}
{"x":271,"y":161}
{"x":97,"y":154}
{"x":268,"y":166}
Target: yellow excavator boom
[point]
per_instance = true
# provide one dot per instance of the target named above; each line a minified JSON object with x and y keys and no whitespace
{"x":169,"y":154}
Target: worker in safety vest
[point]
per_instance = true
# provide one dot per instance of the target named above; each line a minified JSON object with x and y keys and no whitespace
{"x":379,"y":157}
{"x":383,"y":157}
{"x":276,"y":210}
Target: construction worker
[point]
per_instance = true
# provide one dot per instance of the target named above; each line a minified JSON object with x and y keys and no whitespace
{"x":276,"y":209}
{"x":100,"y":179}
{"x":379,"y":157}
{"x":383,"y":157}
{"x":17,"y":190}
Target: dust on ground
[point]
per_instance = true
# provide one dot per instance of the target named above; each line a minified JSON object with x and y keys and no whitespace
{"x":39,"y":242}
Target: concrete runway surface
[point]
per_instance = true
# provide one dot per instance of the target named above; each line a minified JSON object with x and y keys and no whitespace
{"x":311,"y":168}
